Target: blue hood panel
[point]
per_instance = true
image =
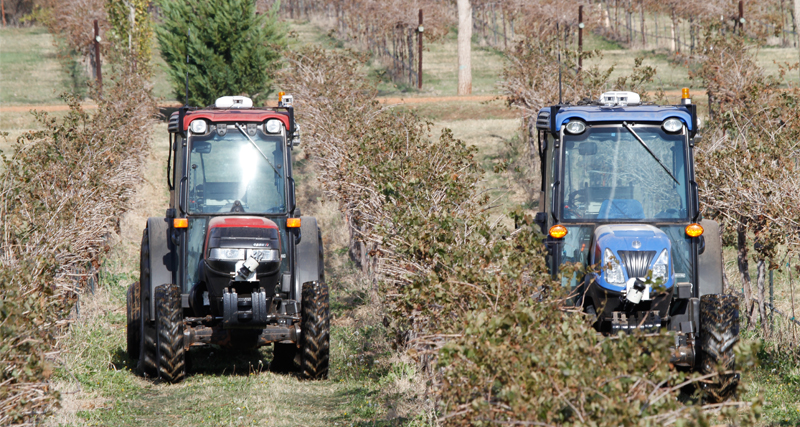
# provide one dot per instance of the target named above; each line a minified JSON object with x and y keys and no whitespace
{"x":621,"y":237}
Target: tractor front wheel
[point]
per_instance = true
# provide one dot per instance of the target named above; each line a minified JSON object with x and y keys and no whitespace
{"x":169,"y":325}
{"x":134,"y":306}
{"x":719,"y":332}
{"x":315,"y":341}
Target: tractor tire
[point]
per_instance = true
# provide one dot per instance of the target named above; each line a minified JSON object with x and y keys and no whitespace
{"x":134,"y":305}
{"x":315,"y":340}
{"x":719,"y":332}
{"x":171,"y":354}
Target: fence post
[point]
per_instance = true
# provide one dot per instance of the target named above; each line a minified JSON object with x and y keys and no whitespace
{"x":581,"y":25}
{"x":98,"y":69}
{"x":741,"y":17}
{"x":420,"y":30}
{"x":771,"y":303}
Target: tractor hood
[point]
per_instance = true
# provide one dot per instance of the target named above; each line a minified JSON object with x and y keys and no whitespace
{"x":631,"y":251}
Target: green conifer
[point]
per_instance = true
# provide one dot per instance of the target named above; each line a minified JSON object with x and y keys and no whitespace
{"x":232,"y":50}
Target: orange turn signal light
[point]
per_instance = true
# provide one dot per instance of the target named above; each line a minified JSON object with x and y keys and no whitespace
{"x":180,"y":223}
{"x":694,"y":230}
{"x":558,"y":231}
{"x":293,"y":223}
{"x":281,"y":93}
{"x":685,"y":93}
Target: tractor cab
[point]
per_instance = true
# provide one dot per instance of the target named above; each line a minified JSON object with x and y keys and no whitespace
{"x":619,"y":199}
{"x":234,"y":161}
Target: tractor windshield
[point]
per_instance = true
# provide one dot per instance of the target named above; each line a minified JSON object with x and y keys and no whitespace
{"x":610,"y":174}
{"x":240,"y":170}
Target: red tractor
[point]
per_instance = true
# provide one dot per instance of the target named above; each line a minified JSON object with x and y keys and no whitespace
{"x":232,"y":263}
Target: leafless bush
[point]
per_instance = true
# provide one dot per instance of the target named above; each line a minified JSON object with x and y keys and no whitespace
{"x":747,"y":164}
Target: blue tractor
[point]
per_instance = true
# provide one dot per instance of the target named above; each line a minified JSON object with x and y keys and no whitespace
{"x":619,"y":198}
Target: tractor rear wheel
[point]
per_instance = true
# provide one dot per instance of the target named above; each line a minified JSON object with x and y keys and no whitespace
{"x":315,"y":341}
{"x":169,"y":324}
{"x":134,"y":306}
{"x":719,"y":332}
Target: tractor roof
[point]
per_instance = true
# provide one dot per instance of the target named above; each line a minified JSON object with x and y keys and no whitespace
{"x":215,"y":115}
{"x":613,"y":114}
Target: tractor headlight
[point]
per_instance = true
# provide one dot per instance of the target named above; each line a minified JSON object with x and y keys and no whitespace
{"x":198,"y":126}
{"x":672,"y":125}
{"x":264,"y":255}
{"x":613,"y":273}
{"x":575,"y":127}
{"x":226,"y":254}
{"x":273,"y":126}
{"x":661,"y":266}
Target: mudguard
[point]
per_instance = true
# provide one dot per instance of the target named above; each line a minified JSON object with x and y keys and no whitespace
{"x":162,"y":262}
{"x":308,"y":256}
{"x":709,"y":263}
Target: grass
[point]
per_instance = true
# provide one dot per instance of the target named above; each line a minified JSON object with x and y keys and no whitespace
{"x":30,"y":72}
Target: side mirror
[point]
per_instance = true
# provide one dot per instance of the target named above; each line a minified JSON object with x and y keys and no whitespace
{"x":587,"y":149}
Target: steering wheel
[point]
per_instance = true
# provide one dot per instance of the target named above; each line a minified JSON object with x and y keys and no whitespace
{"x":577,"y":202}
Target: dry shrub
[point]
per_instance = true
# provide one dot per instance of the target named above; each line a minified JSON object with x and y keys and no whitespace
{"x":63,"y":191}
{"x":747,"y":167}
{"x":469,"y":300}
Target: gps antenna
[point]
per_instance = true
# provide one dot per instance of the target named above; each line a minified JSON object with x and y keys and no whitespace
{"x":558,"y":47}
{"x":185,"y":108}
{"x":188,"y":34}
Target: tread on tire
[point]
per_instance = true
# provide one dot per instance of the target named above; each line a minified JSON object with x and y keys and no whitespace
{"x":133,"y":330}
{"x":315,"y":341}
{"x":170,"y":353}
{"x":719,"y":332}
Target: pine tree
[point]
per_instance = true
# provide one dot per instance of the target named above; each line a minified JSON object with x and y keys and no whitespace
{"x":232,"y":50}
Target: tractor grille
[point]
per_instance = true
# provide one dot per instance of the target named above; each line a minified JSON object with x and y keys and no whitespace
{"x":636,"y":262}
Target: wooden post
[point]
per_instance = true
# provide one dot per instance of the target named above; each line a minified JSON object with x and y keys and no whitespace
{"x":580,"y":38}
{"x":420,"y":30}
{"x":3,"y":10}
{"x":99,"y":71}
{"x":741,"y":17}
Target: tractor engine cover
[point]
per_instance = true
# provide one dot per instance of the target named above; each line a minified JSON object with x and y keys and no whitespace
{"x":636,"y":271}
{"x":242,"y":255}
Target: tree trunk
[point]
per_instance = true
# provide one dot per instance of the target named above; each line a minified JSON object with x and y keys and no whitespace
{"x":410,"y":41}
{"x":762,"y":312}
{"x":672,"y":33}
{"x":644,"y":40}
{"x":465,"y":47}
{"x":795,"y":16}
